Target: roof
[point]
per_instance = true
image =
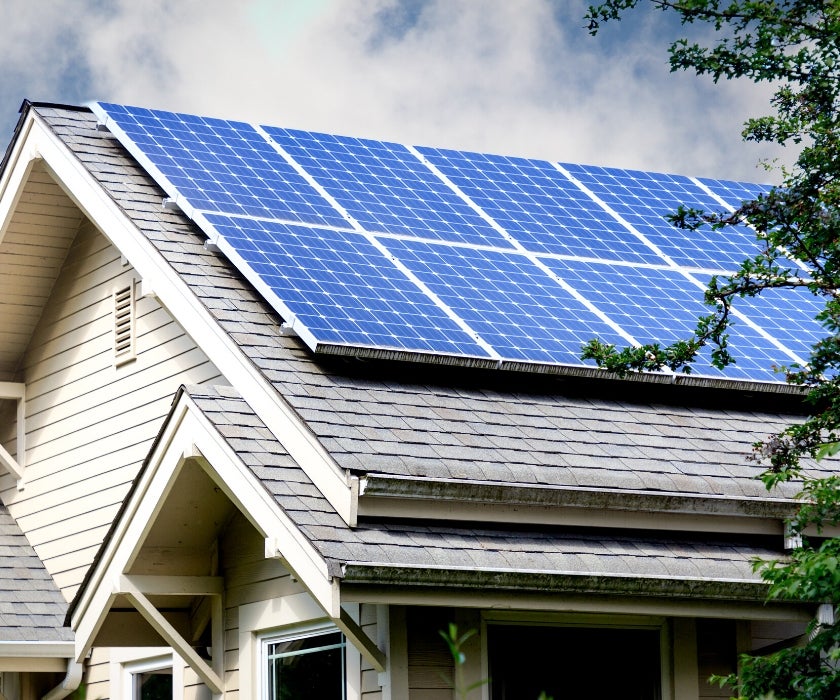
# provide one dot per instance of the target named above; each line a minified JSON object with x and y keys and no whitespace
{"x":539,"y":558}
{"x":436,"y":423}
{"x":31,"y":607}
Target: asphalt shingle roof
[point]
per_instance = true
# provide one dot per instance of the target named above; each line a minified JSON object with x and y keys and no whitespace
{"x":31,"y":607}
{"x":545,"y":553}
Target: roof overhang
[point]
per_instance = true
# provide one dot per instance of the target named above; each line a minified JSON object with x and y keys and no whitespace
{"x":566,"y":592}
{"x":36,"y":656}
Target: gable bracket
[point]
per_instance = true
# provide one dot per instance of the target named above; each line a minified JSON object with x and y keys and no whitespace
{"x":135,"y":588}
{"x":354,"y":632}
{"x":15,"y":465}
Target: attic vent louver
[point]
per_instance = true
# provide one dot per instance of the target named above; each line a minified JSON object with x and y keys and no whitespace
{"x":124,"y":322}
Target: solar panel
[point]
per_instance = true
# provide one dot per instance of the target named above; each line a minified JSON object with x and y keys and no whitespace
{"x":661,"y":305}
{"x":539,"y":206}
{"x":514,"y":305}
{"x":384,"y":187}
{"x":645,"y":200}
{"x":341,"y":287}
{"x":218,"y":166}
{"x":734,"y":193}
{"x":376,"y":248}
{"x":787,"y":315}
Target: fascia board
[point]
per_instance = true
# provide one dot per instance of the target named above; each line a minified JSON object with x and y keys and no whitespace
{"x":189,"y":435}
{"x":15,"y":175}
{"x":36,"y":649}
{"x":173,"y":293}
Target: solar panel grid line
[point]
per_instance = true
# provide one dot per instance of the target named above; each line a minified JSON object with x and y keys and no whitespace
{"x":618,"y":217}
{"x":464,"y":197}
{"x":307,"y":177}
{"x":377,"y":244}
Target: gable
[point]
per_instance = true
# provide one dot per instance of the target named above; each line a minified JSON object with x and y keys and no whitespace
{"x":33,"y":245}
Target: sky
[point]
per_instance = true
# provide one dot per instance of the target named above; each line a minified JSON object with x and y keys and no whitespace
{"x":515,"y":77}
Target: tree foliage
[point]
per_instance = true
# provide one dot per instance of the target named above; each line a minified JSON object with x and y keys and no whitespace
{"x":794,"y":46}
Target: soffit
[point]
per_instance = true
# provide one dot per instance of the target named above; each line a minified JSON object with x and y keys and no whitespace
{"x":32,"y":251}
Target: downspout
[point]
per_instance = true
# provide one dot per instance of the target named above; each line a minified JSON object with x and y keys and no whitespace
{"x":71,"y":681}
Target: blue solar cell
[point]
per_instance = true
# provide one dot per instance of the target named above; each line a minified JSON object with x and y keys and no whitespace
{"x":646,"y":199}
{"x":661,"y":306}
{"x":386,"y":188}
{"x":787,"y":315}
{"x":341,"y":288}
{"x":221,"y":166}
{"x":539,"y":206}
{"x":734,"y":193}
{"x":509,"y":301}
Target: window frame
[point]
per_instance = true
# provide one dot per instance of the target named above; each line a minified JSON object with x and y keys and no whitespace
{"x":126,"y":662}
{"x":316,"y":629}
{"x":287,"y":614}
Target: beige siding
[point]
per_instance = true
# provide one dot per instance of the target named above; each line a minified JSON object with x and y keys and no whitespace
{"x":90,"y":424}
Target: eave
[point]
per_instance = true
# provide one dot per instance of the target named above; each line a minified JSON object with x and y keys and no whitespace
{"x":382,"y":495}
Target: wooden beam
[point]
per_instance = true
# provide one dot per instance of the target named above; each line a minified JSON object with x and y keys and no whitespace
{"x":12,"y":390}
{"x":10,"y":464}
{"x":170,"y":635}
{"x":353,"y":631}
{"x":177,"y":585}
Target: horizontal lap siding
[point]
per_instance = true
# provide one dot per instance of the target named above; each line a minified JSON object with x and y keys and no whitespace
{"x":89,"y":424}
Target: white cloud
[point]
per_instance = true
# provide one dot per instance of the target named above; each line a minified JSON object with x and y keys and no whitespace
{"x":512,"y":76}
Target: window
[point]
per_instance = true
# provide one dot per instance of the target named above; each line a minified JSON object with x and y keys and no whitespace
{"x":574,"y":662}
{"x":306,"y":664}
{"x":153,"y":684}
{"x":146,"y":673}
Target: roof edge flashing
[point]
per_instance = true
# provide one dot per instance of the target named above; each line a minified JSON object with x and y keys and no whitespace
{"x":556,"y":582}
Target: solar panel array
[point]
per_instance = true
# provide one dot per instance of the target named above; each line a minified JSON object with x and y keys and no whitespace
{"x":381,"y":249}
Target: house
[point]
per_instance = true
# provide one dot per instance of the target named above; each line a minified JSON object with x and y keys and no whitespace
{"x":225,"y":498}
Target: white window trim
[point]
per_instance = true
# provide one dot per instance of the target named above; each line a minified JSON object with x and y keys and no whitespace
{"x":274,"y":618}
{"x":290,"y":633}
{"x":524,"y":619}
{"x":124,"y":662}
